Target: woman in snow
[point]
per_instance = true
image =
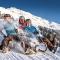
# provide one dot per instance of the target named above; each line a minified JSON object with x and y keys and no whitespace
{"x":21,"y":24}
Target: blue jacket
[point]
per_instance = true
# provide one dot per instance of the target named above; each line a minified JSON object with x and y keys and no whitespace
{"x":10,"y":29}
{"x":31,"y":29}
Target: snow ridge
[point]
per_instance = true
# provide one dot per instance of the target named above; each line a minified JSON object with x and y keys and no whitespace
{"x":15,"y":13}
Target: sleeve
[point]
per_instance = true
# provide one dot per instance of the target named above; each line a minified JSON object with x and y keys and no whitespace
{"x":4,"y":32}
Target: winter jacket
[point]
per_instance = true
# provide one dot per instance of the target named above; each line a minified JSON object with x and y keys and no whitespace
{"x":31,"y":29}
{"x":10,"y":29}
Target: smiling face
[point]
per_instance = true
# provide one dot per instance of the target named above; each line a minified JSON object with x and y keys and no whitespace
{"x":28,"y":22}
{"x":21,"y":21}
{"x":7,"y":18}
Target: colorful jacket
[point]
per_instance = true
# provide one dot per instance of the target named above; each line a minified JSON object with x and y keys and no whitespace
{"x":10,"y":29}
{"x":31,"y":29}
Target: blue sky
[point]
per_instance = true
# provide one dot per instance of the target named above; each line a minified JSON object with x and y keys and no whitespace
{"x":48,"y":9}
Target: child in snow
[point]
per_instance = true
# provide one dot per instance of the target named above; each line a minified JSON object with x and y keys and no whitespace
{"x":30,"y":29}
{"x":29,"y":26}
{"x":8,"y":25}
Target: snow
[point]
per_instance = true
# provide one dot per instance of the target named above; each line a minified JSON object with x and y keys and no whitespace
{"x":42,"y":47}
{"x":36,"y":21}
{"x":38,"y":56}
{"x":15,"y":13}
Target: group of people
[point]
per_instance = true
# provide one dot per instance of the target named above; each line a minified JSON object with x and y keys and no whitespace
{"x":24,"y":32}
{"x":10,"y":31}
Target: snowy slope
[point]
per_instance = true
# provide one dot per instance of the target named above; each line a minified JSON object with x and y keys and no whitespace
{"x":38,"y":56}
{"x":35,"y":20}
{"x":15,"y":13}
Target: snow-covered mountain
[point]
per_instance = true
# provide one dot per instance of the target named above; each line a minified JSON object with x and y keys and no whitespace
{"x":35,"y":20}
